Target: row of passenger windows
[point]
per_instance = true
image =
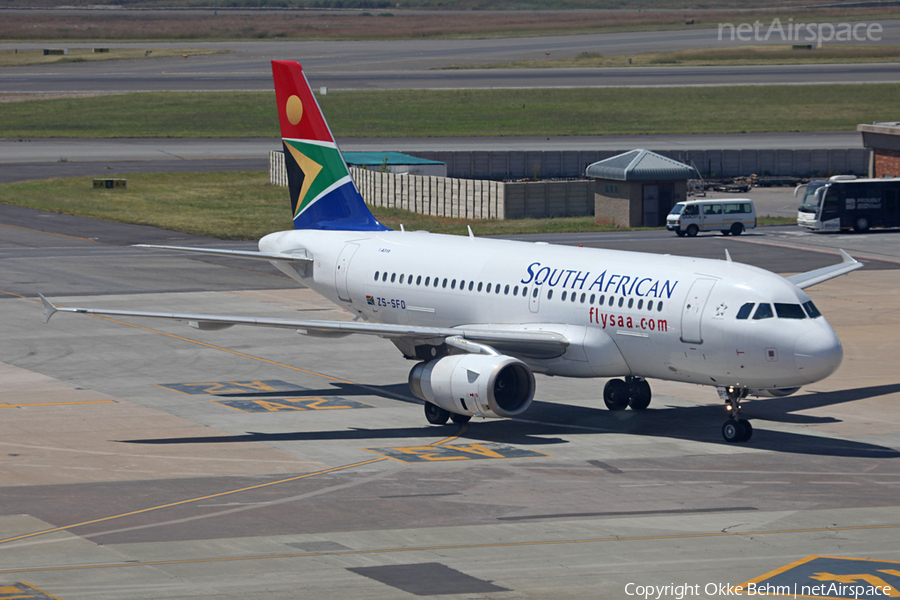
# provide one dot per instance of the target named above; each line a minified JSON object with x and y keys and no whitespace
{"x":602,"y":300}
{"x":784,"y":311}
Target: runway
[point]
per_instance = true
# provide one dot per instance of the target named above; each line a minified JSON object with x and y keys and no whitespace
{"x":147,"y":459}
{"x":421,"y":64}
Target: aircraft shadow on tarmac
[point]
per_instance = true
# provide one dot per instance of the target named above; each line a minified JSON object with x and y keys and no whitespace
{"x":396,"y":391}
{"x":695,"y":423}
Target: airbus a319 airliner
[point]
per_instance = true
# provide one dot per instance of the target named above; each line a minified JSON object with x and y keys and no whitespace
{"x":481,"y":316}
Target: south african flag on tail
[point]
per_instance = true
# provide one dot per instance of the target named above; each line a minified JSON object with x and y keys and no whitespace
{"x":322,"y":194}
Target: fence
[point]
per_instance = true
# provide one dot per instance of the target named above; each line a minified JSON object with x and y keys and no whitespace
{"x":464,"y":195}
{"x":711,"y":163}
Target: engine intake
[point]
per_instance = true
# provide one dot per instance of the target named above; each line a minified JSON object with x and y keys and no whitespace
{"x":475,"y":384}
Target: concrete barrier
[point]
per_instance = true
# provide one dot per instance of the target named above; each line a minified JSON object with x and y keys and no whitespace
{"x":514,"y":164}
{"x":471,"y":190}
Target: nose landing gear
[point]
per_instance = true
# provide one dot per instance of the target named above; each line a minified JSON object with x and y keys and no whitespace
{"x":735,"y":429}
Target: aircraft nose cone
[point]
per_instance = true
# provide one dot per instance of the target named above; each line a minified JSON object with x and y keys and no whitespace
{"x":818,"y":354}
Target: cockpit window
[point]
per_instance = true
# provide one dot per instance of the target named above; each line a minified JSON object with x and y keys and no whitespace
{"x":744,"y":312}
{"x":763,"y":312}
{"x":811,"y":310}
{"x":789,"y":311}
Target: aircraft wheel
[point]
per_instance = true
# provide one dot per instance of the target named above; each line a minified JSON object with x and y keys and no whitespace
{"x":692,"y":231}
{"x":435,"y":414}
{"x":640,"y":395}
{"x":748,"y":429}
{"x":460,"y":419}
{"x":615,"y":394}
{"x":737,"y":229}
{"x":733,"y":431}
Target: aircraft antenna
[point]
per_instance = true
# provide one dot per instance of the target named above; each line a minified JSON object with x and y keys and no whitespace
{"x":471,"y":235}
{"x":727,"y":255}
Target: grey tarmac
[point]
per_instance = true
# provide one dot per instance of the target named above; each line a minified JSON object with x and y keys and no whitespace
{"x":151,"y":460}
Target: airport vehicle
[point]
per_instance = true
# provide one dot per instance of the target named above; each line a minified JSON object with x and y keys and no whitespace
{"x":481,"y":316}
{"x":843,"y":202}
{"x":731,"y":215}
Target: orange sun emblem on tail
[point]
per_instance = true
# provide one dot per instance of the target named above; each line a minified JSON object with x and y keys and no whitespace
{"x":294,"y":110}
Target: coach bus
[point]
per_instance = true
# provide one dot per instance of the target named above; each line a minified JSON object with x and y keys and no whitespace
{"x":844,"y":202}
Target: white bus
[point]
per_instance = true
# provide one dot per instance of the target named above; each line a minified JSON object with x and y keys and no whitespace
{"x":844,"y":202}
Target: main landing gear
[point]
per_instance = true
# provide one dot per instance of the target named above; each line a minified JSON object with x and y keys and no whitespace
{"x":735,"y":429}
{"x":633,"y":392}
{"x":438,"y":416}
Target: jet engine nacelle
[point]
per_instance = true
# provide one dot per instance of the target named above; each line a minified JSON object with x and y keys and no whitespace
{"x":475,"y":384}
{"x":773,"y":393}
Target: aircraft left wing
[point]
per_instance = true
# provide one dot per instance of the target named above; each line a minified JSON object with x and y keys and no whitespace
{"x":811,"y":278}
{"x":530,"y":342}
{"x":299,"y":255}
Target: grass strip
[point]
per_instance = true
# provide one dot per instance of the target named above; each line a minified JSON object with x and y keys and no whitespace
{"x":463,"y":113}
{"x":706,"y":57}
{"x":235,"y":206}
{"x":20,"y":58}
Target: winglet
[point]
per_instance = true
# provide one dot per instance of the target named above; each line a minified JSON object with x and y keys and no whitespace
{"x":49,"y":308}
{"x":811,"y":278}
{"x":847,"y":258}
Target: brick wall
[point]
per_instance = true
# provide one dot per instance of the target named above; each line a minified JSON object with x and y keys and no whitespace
{"x":887,"y":163}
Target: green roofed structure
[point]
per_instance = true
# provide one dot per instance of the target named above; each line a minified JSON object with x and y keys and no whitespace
{"x":638,"y":188}
{"x":395,"y":162}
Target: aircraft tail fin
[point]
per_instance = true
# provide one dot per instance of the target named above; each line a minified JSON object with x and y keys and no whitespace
{"x":323,"y":196}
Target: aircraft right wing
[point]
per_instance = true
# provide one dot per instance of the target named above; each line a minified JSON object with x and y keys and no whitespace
{"x":526,"y":340}
{"x":811,"y":278}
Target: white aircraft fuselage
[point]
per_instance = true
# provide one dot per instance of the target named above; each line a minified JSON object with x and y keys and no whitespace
{"x":624,"y":313}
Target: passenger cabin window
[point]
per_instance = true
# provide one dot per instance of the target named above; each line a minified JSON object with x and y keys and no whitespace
{"x":549,"y":294}
{"x":789,"y":311}
{"x":811,"y":310}
{"x":376,"y":275}
{"x":419,"y":280}
{"x":745,"y":310}
{"x":764,"y":311}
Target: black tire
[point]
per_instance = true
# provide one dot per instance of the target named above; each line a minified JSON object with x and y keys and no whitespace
{"x":861,"y":224}
{"x":460,"y":419}
{"x":692,"y":231}
{"x":640,"y":395}
{"x":733,"y":431}
{"x":435,"y":414}
{"x":748,"y":429}
{"x":726,"y":231}
{"x":615,"y":394}
{"x":679,"y":233}
{"x":737,"y":229}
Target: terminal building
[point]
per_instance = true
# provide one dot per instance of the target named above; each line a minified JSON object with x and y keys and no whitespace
{"x":882,"y":139}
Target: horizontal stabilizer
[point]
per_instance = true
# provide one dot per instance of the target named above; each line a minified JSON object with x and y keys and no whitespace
{"x":811,"y":278}
{"x":300,"y":256}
